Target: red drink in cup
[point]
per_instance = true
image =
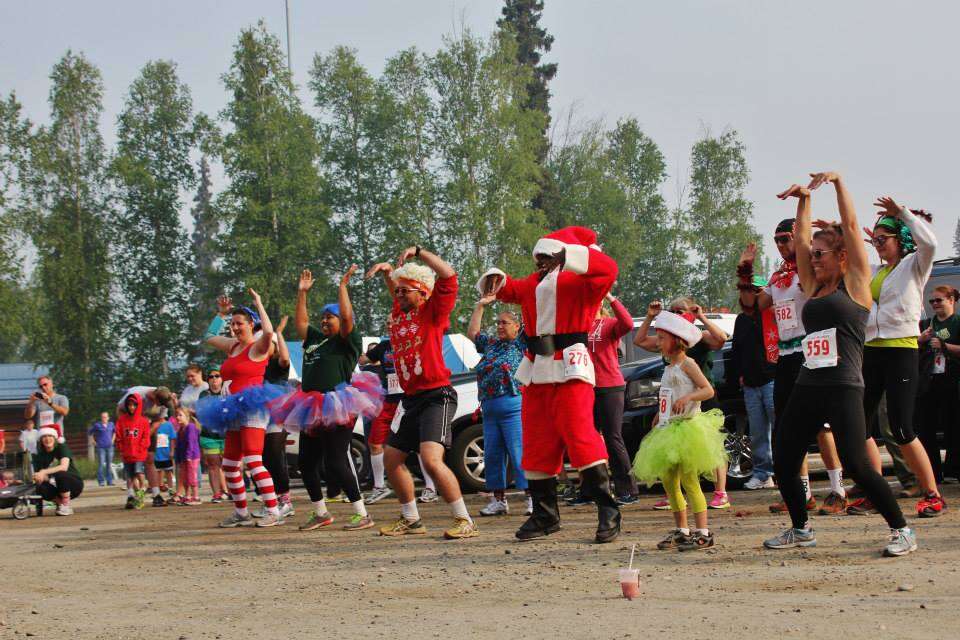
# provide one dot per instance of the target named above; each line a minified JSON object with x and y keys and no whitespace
{"x":630,"y":583}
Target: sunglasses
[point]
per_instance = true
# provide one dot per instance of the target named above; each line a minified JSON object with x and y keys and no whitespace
{"x":402,"y":291}
{"x":879,"y":240}
{"x":935,"y":300}
{"x":213,"y":375}
{"x":783,"y":239}
{"x":817,"y":254}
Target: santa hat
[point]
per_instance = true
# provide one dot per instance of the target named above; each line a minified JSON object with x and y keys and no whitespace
{"x":48,"y":431}
{"x":577,"y":241}
{"x":680,"y":326}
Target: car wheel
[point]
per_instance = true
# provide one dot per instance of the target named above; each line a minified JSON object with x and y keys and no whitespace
{"x":740,"y":460}
{"x":466,"y":458}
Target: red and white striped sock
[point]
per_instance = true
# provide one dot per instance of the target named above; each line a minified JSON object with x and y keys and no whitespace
{"x":263,"y":480}
{"x":231,"y":471}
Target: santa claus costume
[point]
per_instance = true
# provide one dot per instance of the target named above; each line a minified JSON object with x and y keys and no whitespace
{"x":559,"y":304}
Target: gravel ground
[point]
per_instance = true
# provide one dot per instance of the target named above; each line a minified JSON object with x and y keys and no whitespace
{"x":168,"y":573}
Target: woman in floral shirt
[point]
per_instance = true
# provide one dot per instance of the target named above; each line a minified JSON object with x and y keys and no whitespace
{"x":499,"y":395}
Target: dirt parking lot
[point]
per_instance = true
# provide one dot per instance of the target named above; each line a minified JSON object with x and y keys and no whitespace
{"x":168,"y":573}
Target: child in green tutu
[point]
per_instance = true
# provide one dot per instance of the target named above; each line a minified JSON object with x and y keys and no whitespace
{"x":684,"y":442}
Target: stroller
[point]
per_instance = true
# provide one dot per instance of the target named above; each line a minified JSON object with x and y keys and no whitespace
{"x":20,"y":497}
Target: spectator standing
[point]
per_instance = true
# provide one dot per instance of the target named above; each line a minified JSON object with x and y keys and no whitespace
{"x":28,"y":447}
{"x":133,"y":440}
{"x":937,"y":407}
{"x":211,"y":442}
{"x":195,"y":386}
{"x":751,"y":369}
{"x":187,"y":455}
{"x":47,"y":407}
{"x":165,"y":437}
{"x":103,"y":433}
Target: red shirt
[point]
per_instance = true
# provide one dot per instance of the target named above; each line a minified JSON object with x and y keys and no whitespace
{"x":241,"y":371}
{"x":602,"y":342}
{"x":133,"y":433}
{"x":417,"y":339}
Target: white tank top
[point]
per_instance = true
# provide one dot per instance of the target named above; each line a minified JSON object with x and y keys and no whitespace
{"x":680,"y":384}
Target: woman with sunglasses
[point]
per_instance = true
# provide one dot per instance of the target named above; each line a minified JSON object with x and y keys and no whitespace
{"x":833,"y":267}
{"x":906,"y":246}
{"x":938,"y":401}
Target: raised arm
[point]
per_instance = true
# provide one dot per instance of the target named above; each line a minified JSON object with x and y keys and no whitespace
{"x":624,"y":319}
{"x":432,"y":260}
{"x":923,"y":235}
{"x":212,"y":337}
{"x":713,"y":335}
{"x":343,"y":299}
{"x":477,"y":317}
{"x":262,"y":346}
{"x":802,"y":234}
{"x":301,"y":320}
{"x":642,"y":338}
{"x":283,"y":353}
{"x":749,"y":296}
{"x":385,"y":269}
{"x":858,"y":275}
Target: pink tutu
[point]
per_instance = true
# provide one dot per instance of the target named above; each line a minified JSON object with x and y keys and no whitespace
{"x":307,"y":410}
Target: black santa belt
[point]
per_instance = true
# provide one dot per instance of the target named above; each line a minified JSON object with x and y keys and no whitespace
{"x":550,"y":344}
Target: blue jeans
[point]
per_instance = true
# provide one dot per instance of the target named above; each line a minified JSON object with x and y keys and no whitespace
{"x":759,"y":403}
{"x":104,"y":460}
{"x":502,"y":436}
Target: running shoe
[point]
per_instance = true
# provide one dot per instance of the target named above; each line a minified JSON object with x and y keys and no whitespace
{"x":286,"y":509}
{"x":259,"y":513}
{"x":902,"y":542}
{"x":673,"y":540}
{"x":237,"y":520}
{"x":529,"y":511}
{"x":158,"y":501}
{"x":270,"y":520}
{"x":626,"y":499}
{"x":217,"y":498}
{"x":781,"y":507}
{"x":131,"y":503}
{"x":64,"y":510}
{"x":358,"y":522}
{"x":662,"y":504}
{"x":696,"y":541}
{"x":496,"y":508}
{"x":257,"y":498}
{"x":931,"y":506}
{"x":569,"y":492}
{"x":579,"y":500}
{"x":192,"y":502}
{"x":755,"y":483}
{"x":403,"y":527}
{"x":428,"y":495}
{"x":378,"y":494}
{"x":861,"y":507}
{"x":462,"y":528}
{"x":791,"y":538}
{"x":316,"y":520}
{"x":834,"y":504}
{"x":720,"y":500}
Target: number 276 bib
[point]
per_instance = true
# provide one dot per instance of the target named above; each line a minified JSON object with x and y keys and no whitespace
{"x":820,"y":349}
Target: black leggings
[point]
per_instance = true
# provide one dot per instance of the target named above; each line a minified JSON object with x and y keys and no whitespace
{"x":330,"y":448}
{"x":842,"y":407}
{"x":891,"y":370}
{"x":608,"y":419}
{"x":788,"y":368}
{"x":65,"y":482}
{"x":937,"y":411}
{"x":275,"y":460}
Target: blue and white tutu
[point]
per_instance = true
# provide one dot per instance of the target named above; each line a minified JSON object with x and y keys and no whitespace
{"x":307,"y":410}
{"x":247,"y":408}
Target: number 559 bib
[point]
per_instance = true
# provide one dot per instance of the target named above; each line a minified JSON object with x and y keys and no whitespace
{"x":820,"y":349}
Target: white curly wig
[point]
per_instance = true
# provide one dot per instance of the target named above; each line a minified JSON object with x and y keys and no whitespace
{"x":417,"y":273}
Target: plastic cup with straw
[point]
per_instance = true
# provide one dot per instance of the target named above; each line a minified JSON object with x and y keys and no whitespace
{"x":630,"y":578}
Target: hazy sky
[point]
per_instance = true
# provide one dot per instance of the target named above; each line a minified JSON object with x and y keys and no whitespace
{"x":869,"y":89}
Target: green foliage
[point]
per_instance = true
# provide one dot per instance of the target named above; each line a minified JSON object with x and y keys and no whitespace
{"x":203,"y":272}
{"x":152,"y":166}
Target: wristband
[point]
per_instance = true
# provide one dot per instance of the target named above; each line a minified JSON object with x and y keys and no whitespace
{"x":417,"y":253}
{"x":216,"y":326}
{"x":745,"y":270}
{"x":747,"y":286}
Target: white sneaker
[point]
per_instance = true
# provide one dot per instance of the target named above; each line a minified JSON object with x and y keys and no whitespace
{"x":496,"y":508}
{"x":378,"y":494}
{"x":755,"y":483}
{"x":428,"y":495}
{"x":286,"y":509}
{"x":64,"y":510}
{"x":529,"y":506}
{"x":269,"y":520}
{"x":237,"y":520}
{"x":259,"y":513}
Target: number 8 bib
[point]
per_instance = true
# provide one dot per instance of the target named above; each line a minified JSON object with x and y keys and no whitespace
{"x":820,"y":349}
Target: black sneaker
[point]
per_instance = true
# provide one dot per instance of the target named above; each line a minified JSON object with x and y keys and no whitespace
{"x":673,"y":540}
{"x":696,"y":541}
{"x":579,"y":501}
{"x":131,"y":503}
{"x":158,"y":501}
{"x":627,"y":499}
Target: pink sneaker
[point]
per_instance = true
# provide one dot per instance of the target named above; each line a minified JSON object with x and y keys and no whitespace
{"x":662,"y":504}
{"x":720,"y":500}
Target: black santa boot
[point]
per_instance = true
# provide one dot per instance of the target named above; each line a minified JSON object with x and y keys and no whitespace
{"x":595,"y":483}
{"x":546,"y":515}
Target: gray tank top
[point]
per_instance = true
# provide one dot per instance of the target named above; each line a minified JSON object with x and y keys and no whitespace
{"x":837,"y":310}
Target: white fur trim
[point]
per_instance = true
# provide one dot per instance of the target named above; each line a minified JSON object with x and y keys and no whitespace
{"x":548,"y":370}
{"x":548,"y":247}
{"x":595,"y":247}
{"x":678,"y":326}
{"x":546,"y":294}
{"x":491,"y":272}
{"x":48,"y":431}
{"x":578,"y":259}
{"x":417,"y":273}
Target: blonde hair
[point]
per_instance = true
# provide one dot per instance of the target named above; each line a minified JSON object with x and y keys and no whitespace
{"x":681,"y":301}
{"x":416,"y":272}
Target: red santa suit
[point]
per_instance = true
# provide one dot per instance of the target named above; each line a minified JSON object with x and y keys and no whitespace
{"x":557,"y":408}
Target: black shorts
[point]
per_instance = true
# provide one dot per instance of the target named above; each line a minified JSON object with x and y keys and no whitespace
{"x":426,"y":418}
{"x":163,"y":465}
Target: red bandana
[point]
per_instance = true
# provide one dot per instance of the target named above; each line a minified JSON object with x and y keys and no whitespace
{"x":783,"y":277}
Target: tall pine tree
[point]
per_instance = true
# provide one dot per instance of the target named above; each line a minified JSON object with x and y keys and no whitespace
{"x":68,"y":211}
{"x":152,"y":167}
{"x":204,"y":275}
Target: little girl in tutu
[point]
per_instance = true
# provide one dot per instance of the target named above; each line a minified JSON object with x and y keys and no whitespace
{"x":684,"y":443}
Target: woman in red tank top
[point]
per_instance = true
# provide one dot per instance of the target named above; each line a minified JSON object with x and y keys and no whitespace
{"x":247,"y":357}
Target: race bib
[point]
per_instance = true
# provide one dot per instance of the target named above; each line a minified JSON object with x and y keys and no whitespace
{"x":576,"y":362}
{"x":163,"y":441}
{"x":820,"y":349}
{"x":785,"y":313}
{"x":46,"y":417}
{"x":665,"y":406}
{"x":939,"y":363}
{"x":393,"y":384}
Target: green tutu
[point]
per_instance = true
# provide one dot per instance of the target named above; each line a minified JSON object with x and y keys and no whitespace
{"x":694,"y":444}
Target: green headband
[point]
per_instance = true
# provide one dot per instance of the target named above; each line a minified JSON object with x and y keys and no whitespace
{"x":901,"y":230}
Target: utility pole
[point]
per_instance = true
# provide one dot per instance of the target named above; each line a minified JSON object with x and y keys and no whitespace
{"x":286,"y":4}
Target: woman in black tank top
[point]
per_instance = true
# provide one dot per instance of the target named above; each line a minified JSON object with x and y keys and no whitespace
{"x":829,"y":389}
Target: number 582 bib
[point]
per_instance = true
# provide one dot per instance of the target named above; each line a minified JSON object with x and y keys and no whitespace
{"x":820,"y":349}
